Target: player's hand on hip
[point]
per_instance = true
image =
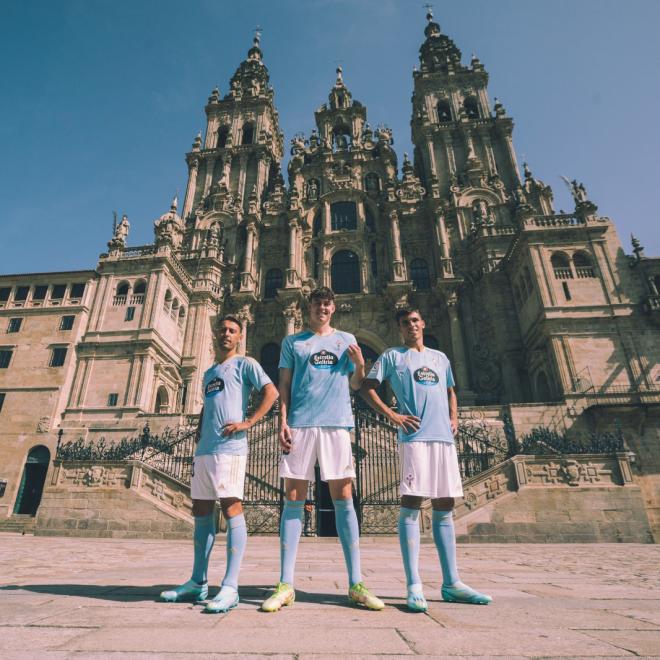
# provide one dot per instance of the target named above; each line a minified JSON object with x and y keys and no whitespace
{"x":285,"y":437}
{"x":235,"y":427}
{"x":409,"y":423}
{"x":355,"y":355}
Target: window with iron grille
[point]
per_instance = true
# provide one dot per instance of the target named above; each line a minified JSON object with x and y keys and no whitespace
{"x":14,"y":325}
{"x":419,"y":273}
{"x":345,"y":272}
{"x":113,"y":397}
{"x":274,"y":281}
{"x":66,"y":322}
{"x":343,"y":215}
{"x":58,"y":356}
{"x":5,"y":357}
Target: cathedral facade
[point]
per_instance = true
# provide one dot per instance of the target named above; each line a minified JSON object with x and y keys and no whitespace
{"x":538,"y":310}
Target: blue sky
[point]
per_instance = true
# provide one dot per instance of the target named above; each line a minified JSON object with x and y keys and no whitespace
{"x":102,"y":98}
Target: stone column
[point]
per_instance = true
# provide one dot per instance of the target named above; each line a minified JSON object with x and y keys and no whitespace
{"x":291,"y":314}
{"x":442,"y":241}
{"x":327,"y":221}
{"x":457,"y":345}
{"x":246,"y":318}
{"x":434,"y":167}
{"x":396,"y":246}
{"x":242,"y":176}
{"x":249,"y":248}
{"x":190,"y":190}
{"x":512,"y":155}
{"x":208,"y":180}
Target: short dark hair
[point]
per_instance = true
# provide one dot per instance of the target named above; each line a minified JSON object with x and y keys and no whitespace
{"x":322,"y":293}
{"x":407,"y":310}
{"x":232,"y":318}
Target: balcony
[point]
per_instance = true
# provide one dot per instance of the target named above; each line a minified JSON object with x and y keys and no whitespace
{"x":623,"y":395}
{"x":562,"y":273}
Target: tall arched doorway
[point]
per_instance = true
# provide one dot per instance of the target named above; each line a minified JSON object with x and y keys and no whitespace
{"x":32,"y":482}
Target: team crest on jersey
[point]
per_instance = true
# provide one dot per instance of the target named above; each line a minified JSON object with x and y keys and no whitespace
{"x":323,"y":359}
{"x":214,"y":386}
{"x":426,"y":376}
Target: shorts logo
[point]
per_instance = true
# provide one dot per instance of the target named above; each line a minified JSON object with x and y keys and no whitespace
{"x":323,"y":360}
{"x":426,"y":376}
{"x":214,"y":387}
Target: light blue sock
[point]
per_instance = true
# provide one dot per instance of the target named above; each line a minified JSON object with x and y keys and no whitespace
{"x":445,"y":541}
{"x":291,"y":526}
{"x":204,"y":538}
{"x":409,"y":541}
{"x":349,"y":535}
{"x":236,"y":542}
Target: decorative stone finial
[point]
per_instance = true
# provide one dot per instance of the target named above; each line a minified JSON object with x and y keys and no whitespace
{"x":175,"y":202}
{"x":197,"y":144}
{"x":340,"y":79}
{"x":429,"y":12}
{"x":637,"y":247}
{"x":527,"y":171}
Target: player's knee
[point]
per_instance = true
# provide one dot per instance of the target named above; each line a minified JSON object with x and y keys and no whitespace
{"x":411,"y":502}
{"x":231,"y":507}
{"x":202,"y":508}
{"x":443,"y":504}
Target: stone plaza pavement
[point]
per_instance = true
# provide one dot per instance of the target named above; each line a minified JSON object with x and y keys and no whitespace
{"x":95,"y":598}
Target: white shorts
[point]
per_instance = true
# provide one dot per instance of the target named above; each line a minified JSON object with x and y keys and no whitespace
{"x":217,"y":476}
{"x":330,"y":445}
{"x":430,"y":469}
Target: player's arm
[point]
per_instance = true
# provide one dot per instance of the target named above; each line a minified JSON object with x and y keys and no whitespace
{"x":409,"y":423}
{"x":356,"y":357}
{"x":285,"y":398}
{"x":453,"y":409}
{"x":198,"y":432}
{"x":268,"y":397}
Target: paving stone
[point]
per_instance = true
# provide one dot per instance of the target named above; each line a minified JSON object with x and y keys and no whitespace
{"x":643,"y":642}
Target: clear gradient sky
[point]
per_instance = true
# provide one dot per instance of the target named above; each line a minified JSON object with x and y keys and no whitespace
{"x":102,"y":99}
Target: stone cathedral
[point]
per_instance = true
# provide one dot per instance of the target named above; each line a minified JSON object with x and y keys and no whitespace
{"x":541,"y":312}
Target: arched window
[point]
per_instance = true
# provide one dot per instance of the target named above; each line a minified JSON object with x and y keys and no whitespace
{"x":345,"y":272}
{"x":248,"y":134}
{"x":317,"y":225}
{"x":444,"y":111}
{"x":140,"y":287}
{"x":431,"y":342}
{"x":471,"y":107}
{"x":123,"y":288}
{"x":167,"y":301}
{"x":561,"y":266}
{"x":223,"y":134}
{"x":419,"y":274}
{"x":583,"y":265}
{"x":342,"y":137}
{"x":270,"y":359}
{"x":162,"y":401}
{"x":372,"y":182}
{"x":343,"y":215}
{"x":273,"y":282}
{"x":543,"y":391}
{"x":32,"y":481}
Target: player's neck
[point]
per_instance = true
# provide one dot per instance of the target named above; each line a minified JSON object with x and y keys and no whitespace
{"x":416,"y":345}
{"x":223,"y":356}
{"x":321,"y":328}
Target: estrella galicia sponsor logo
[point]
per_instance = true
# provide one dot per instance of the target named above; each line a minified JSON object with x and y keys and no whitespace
{"x":215,"y":386}
{"x":426,"y":376}
{"x":323,"y":360}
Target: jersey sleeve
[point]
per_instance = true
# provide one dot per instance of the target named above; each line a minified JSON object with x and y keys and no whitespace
{"x":286,"y":354}
{"x":380,"y":369}
{"x":255,"y":374}
{"x":450,"y":376}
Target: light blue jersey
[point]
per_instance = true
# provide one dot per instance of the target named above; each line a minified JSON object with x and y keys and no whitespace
{"x":320,"y":391}
{"x":227,"y":388}
{"x":420,"y":380}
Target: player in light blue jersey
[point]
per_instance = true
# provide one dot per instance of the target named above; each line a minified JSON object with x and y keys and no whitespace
{"x":423,"y":384}
{"x":317,"y":369}
{"x":219,"y":464}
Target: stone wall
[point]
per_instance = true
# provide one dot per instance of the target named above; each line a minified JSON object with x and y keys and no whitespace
{"x":118,"y":500}
{"x":587,"y":498}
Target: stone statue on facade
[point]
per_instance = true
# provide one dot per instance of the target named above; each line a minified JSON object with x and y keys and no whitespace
{"x":118,"y":241}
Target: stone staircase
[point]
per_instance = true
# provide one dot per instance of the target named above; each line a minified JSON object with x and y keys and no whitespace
{"x":18,"y":523}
